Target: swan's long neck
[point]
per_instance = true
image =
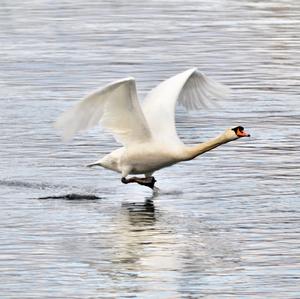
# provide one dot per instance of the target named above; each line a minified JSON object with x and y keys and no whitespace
{"x":194,"y":151}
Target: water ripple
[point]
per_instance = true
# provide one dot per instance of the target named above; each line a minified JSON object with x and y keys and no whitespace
{"x":224,"y":225}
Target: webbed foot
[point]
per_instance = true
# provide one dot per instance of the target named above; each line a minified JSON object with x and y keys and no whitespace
{"x":148,"y":181}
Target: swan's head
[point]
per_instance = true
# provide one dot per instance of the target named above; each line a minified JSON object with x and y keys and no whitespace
{"x":235,"y":133}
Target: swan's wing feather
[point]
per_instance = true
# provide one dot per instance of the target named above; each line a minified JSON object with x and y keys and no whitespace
{"x":200,"y":91}
{"x":115,"y":107}
{"x":191,"y":89}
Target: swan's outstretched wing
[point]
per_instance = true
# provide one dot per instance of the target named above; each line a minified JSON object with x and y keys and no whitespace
{"x":190,"y":89}
{"x":117,"y":109}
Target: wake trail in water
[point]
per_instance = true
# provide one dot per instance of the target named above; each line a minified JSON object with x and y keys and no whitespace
{"x":74,"y":192}
{"x":31,"y":185}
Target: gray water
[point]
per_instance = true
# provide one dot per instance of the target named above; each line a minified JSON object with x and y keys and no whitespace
{"x":225,"y":225}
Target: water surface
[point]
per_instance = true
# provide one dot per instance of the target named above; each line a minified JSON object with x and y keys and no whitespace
{"x":225,"y":225}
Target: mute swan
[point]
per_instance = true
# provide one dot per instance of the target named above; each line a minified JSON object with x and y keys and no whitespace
{"x":147,"y":132}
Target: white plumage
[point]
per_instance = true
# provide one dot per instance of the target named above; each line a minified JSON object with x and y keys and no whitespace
{"x":147,"y":132}
{"x":117,"y":109}
{"x":190,"y":89}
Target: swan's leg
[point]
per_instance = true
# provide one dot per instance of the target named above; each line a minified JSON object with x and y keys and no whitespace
{"x":147,"y":181}
{"x":152,"y":180}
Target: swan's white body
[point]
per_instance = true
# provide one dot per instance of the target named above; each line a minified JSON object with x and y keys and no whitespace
{"x":147,"y":132}
{"x":143,"y":159}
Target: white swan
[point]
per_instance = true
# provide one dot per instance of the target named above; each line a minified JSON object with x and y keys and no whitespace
{"x":147,"y":132}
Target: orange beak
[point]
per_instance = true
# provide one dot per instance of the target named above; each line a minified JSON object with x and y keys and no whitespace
{"x":241,"y":133}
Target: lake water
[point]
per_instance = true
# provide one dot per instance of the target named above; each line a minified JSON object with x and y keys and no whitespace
{"x":225,"y":225}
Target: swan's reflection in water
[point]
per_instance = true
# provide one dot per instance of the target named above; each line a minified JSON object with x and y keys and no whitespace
{"x":146,"y":249}
{"x":140,"y":214}
{"x":157,"y":245}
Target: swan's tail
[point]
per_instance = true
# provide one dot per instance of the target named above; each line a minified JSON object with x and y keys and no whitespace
{"x":97,"y":163}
